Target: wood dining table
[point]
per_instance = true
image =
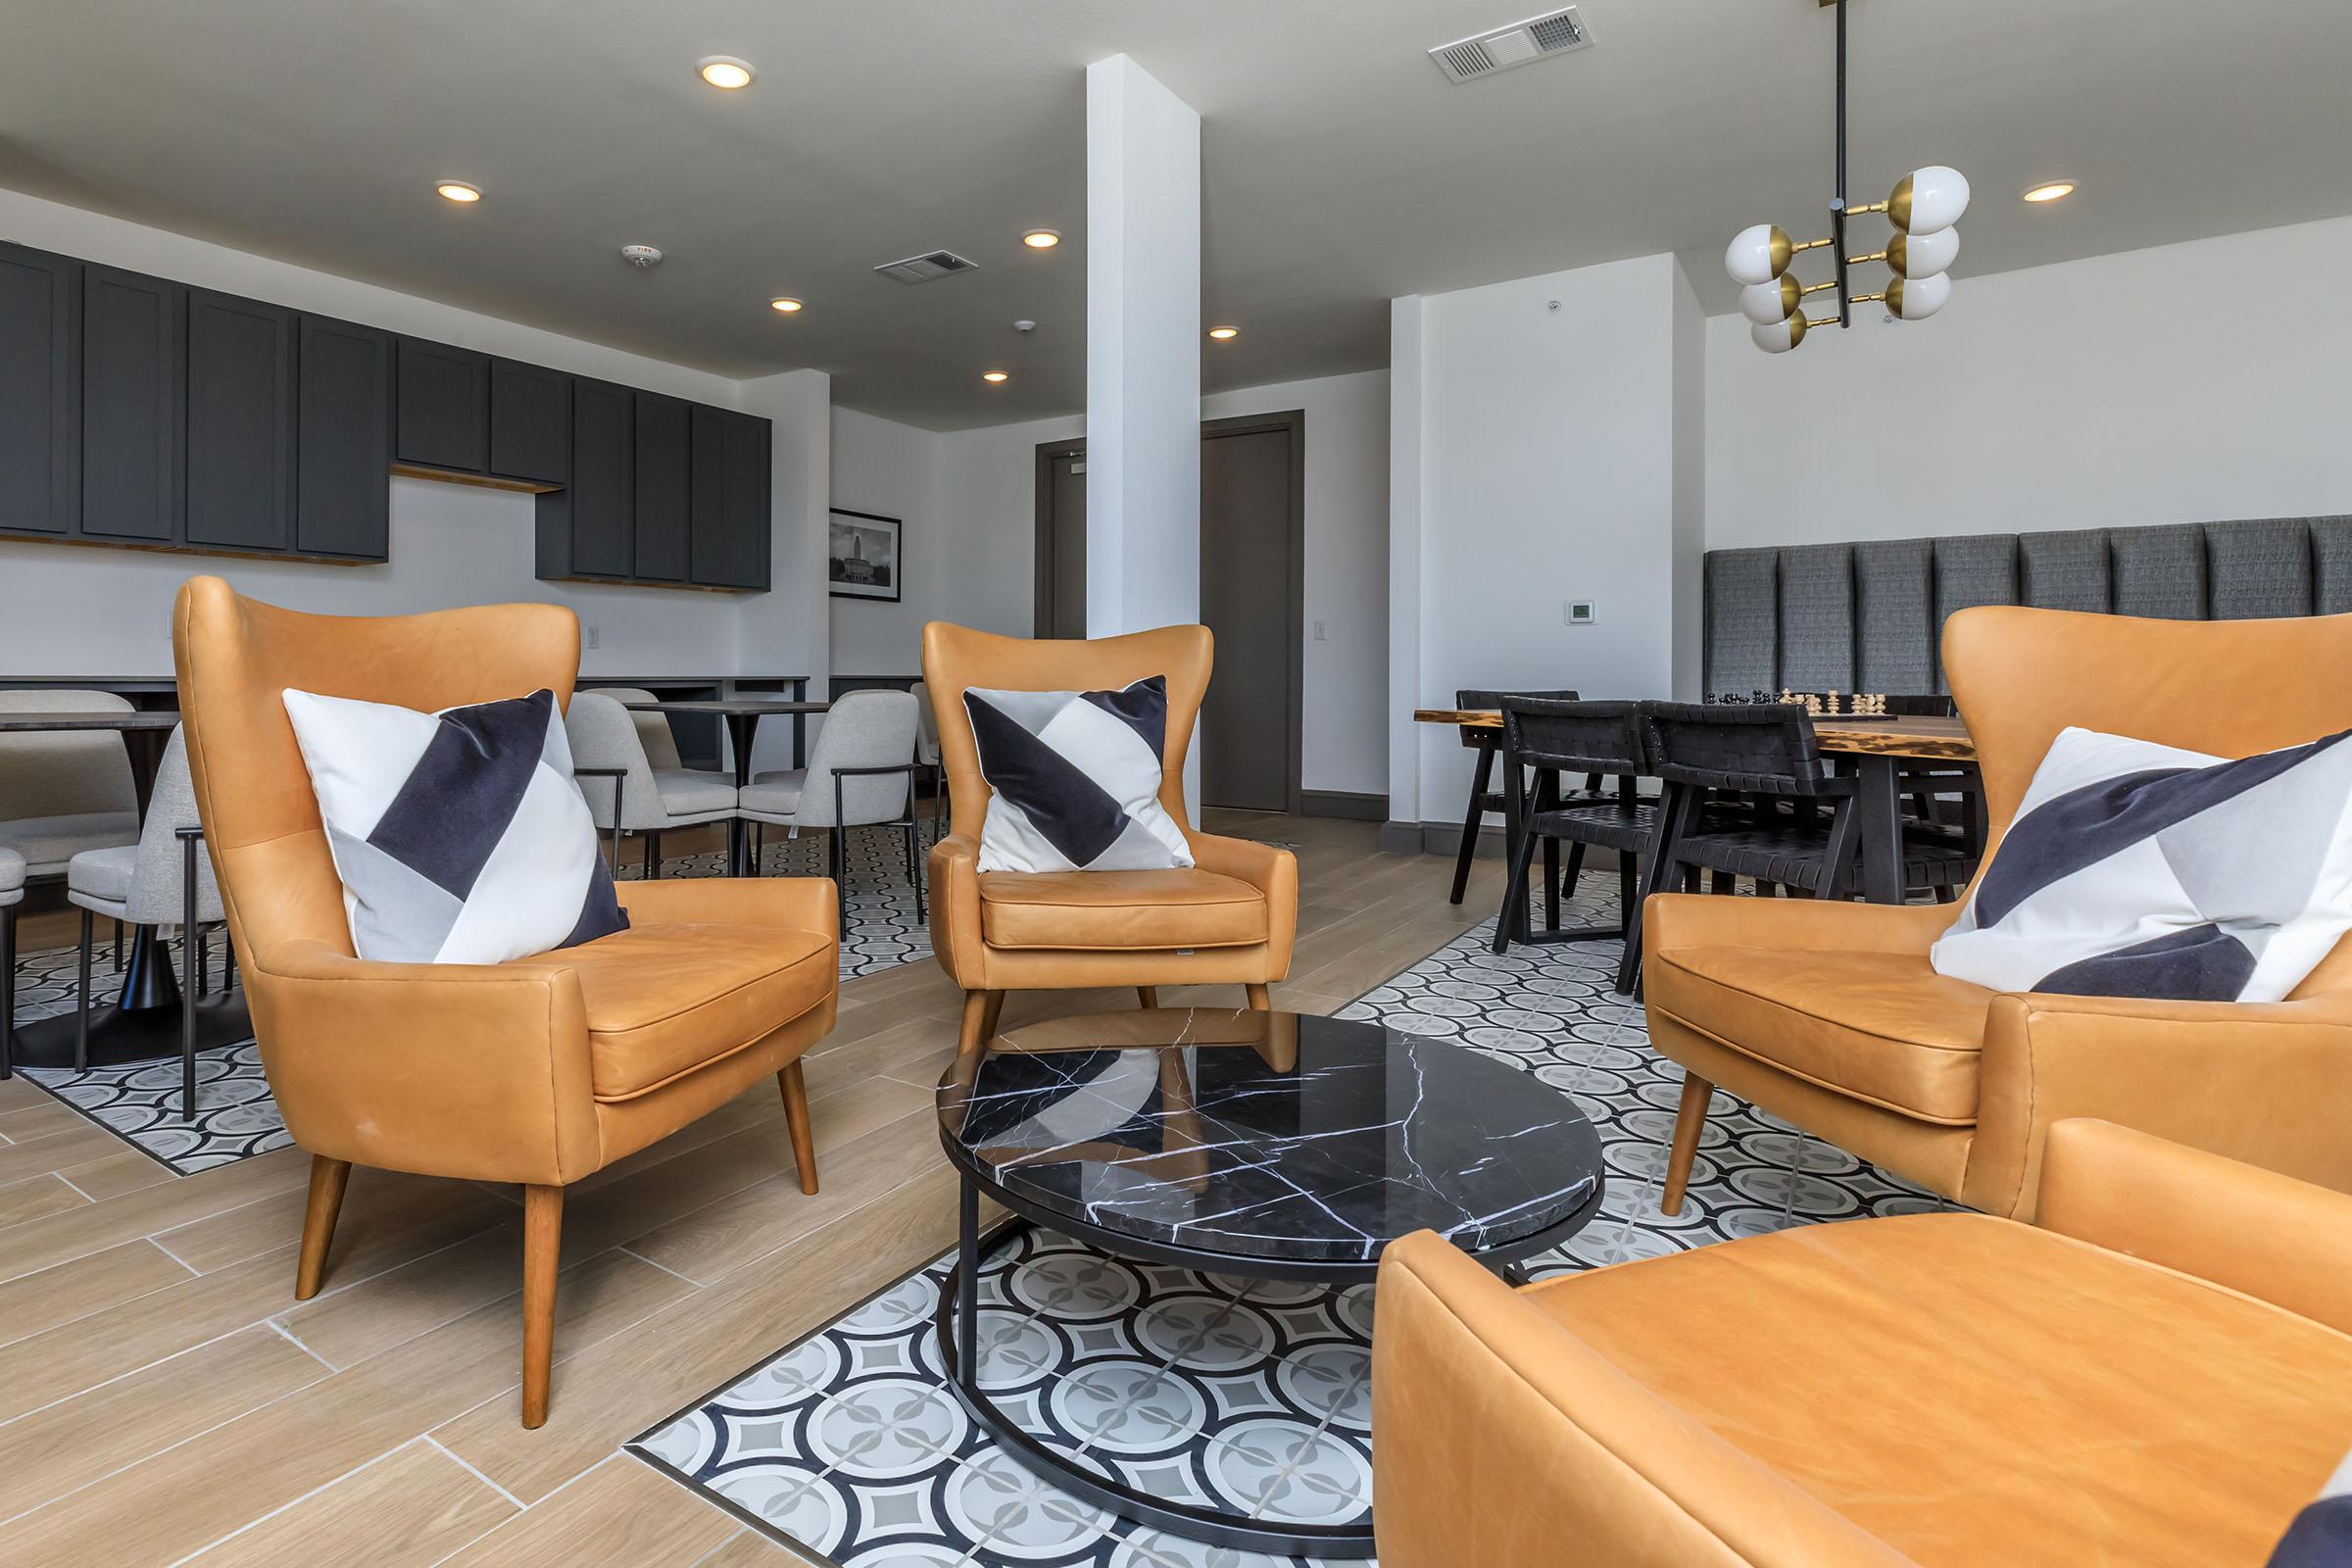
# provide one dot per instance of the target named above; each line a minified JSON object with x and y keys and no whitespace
{"x":1878,"y":748}
{"x":742,"y":715}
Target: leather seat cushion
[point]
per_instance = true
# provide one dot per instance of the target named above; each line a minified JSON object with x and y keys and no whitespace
{"x":665,"y":1000}
{"x":686,"y":791}
{"x":1120,"y":911}
{"x":1877,"y":1026}
{"x":1973,"y":1391}
{"x":104,"y":874}
{"x":48,"y":843}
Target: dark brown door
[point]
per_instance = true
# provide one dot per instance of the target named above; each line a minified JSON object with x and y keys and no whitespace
{"x":1247,"y":573}
{"x":1062,"y":542}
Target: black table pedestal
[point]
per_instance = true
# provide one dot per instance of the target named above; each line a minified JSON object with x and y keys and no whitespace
{"x":146,"y":1034}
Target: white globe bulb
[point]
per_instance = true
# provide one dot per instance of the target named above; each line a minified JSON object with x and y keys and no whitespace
{"x":1769,"y":304}
{"x":1923,"y":254}
{"x":1934,"y":198}
{"x":1914,"y":299}
{"x":1757,"y":254}
{"x":1778,"y":337}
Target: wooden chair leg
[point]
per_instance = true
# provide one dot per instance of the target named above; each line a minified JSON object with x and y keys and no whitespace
{"x":1261,"y":999}
{"x":542,"y":1247}
{"x":980,"y":1009}
{"x":1689,"y":1120}
{"x":1149,"y":995}
{"x":989,"y":1014}
{"x":328,"y":1177}
{"x":795,"y":1085}
{"x":1472,"y":819}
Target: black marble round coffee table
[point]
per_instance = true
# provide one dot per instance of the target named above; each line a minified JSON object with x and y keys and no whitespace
{"x":1257,"y":1144}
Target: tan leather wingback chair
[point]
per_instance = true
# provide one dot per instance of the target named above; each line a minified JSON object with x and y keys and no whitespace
{"x":1827,"y":1014}
{"x":2158,"y":1374}
{"x":538,"y":1071}
{"x":1229,"y":920}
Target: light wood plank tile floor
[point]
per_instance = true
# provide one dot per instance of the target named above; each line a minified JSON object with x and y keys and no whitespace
{"x":164,"y":1399}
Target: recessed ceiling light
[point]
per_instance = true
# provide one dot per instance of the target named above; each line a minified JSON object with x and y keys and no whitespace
{"x":994,"y":377}
{"x":787,"y":305}
{"x":1224,"y":334}
{"x":457,"y":190}
{"x":1041,"y":239}
{"x":2056,"y":190}
{"x":725,"y":71}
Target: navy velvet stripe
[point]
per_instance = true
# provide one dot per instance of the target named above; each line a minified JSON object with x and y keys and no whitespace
{"x":2203,"y":963}
{"x":601,"y":913}
{"x":1073,"y":812}
{"x":458,"y":801}
{"x":2087,"y":825}
{"x":2319,"y":1538}
{"x":1144,"y":706}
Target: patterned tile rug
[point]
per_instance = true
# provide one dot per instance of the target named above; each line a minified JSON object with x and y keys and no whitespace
{"x":849,"y":1447}
{"x":237,"y":1118}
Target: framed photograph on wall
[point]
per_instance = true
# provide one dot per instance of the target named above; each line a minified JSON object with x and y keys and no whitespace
{"x":862,"y":553}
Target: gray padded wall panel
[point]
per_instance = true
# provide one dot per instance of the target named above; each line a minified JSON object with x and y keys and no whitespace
{"x":2159,"y":570}
{"x":1970,"y":571}
{"x":2065,"y":571}
{"x":2331,"y":565}
{"x":1817,"y":617}
{"x":1742,"y":621}
{"x":1895,"y":596}
{"x":2258,"y":570}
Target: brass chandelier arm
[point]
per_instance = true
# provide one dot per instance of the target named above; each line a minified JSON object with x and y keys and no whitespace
{"x":1815,"y":288}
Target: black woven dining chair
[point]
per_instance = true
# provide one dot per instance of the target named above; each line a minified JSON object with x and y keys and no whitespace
{"x":1548,"y":738}
{"x":1486,"y":741}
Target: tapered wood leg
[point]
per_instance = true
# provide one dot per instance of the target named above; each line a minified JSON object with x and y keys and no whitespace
{"x":1149,"y":995}
{"x":980,"y":1009}
{"x":328,"y":1177}
{"x":1689,"y":1120}
{"x":989,"y":1014}
{"x":795,"y":1085}
{"x":542,"y":1245}
{"x":1261,"y":999}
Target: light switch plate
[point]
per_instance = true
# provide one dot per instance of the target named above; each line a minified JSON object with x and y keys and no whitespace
{"x":1319,"y":637}
{"x":590,"y":637}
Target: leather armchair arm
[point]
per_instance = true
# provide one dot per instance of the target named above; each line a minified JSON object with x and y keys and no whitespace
{"x":1274,"y":872}
{"x":2204,"y":1216}
{"x":2260,"y":1081}
{"x":955,"y":911}
{"x":1810,"y":925}
{"x":791,"y":903}
{"x":470,"y":1070}
{"x":1499,"y":1437}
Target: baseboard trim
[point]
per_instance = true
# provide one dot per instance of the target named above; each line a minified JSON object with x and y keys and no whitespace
{"x":1356,"y":805}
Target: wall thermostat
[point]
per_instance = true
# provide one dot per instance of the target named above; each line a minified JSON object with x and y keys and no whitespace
{"x":1580,"y":613}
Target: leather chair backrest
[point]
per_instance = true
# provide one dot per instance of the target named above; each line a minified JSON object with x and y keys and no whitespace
{"x":235,"y":655}
{"x":64,"y":772}
{"x":957,"y":657}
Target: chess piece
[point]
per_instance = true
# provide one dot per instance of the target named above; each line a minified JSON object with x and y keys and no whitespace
{"x":1831,"y":710}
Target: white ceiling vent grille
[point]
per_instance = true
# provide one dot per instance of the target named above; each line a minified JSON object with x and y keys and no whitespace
{"x":926,"y":267}
{"x":1553,"y":33}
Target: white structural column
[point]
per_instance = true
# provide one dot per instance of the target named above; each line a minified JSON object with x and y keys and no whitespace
{"x":786,"y":631}
{"x":1143,"y":352}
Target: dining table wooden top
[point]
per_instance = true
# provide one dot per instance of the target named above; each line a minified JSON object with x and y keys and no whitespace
{"x":1920,"y":738}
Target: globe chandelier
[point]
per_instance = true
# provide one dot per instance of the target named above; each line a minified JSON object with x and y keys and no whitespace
{"x":1923,"y":209}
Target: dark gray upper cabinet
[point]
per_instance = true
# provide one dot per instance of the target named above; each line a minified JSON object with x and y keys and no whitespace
{"x":240,"y":467}
{"x":41,"y":400}
{"x":343,"y":439}
{"x":530,"y":423}
{"x":133,"y":389}
{"x":731,"y":499}
{"x":601,"y":499}
{"x":664,"y":487}
{"x":444,"y":407}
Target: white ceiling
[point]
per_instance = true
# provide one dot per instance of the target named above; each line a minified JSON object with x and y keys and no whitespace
{"x":1340,"y":167}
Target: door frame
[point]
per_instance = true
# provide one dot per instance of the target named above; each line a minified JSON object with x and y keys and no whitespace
{"x":1290,"y":420}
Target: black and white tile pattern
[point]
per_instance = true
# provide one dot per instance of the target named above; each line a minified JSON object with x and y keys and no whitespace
{"x":1241,"y":1393}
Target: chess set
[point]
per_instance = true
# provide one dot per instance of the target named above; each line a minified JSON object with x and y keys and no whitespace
{"x":1817,"y":705}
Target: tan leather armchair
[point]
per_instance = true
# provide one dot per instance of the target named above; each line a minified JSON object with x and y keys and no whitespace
{"x":1828,"y":1015}
{"x":2159,"y":1374}
{"x":1230,"y":919}
{"x":539,"y":1071}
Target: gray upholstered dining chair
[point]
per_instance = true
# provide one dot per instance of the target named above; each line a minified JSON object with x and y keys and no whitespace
{"x":63,"y":791}
{"x":147,"y":883}
{"x":608,"y":750}
{"x":11,"y":894}
{"x":926,"y":752}
{"x":860,"y":775}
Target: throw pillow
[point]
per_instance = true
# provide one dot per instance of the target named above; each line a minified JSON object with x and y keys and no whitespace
{"x":460,"y":836}
{"x":1076,"y":779}
{"x":2135,"y":870}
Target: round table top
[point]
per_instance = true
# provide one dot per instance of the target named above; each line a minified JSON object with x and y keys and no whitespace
{"x":29,"y":724}
{"x":729,"y":704}
{"x":1244,"y":1135}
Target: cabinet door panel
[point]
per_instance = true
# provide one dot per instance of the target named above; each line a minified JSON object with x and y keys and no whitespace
{"x":444,"y":407}
{"x":530,"y":423}
{"x":343,"y":440}
{"x":748,"y":502}
{"x":601,"y":496}
{"x":40,"y":391}
{"x":133,"y":329}
{"x":707,"y":542}
{"x":240,"y":467}
{"x":664,"y":488}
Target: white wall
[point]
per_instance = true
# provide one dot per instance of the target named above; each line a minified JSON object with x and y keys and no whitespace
{"x":2181,"y":384}
{"x":787,"y":630}
{"x":893,"y":471}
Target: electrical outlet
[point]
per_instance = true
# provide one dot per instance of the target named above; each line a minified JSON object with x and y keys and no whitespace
{"x":1577,"y":612}
{"x":1319,"y":637}
{"x":591,"y":637}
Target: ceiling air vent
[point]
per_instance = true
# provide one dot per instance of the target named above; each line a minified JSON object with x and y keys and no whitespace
{"x":1553,"y":33}
{"x":923,"y":269}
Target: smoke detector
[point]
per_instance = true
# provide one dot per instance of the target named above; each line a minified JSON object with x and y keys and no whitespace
{"x":640,"y":256}
{"x":1556,"y":33}
{"x":1024,"y":327}
{"x":926,"y":267}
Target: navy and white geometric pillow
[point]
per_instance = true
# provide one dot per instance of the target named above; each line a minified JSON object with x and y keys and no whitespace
{"x":2135,"y":870}
{"x":2321,"y":1536}
{"x":1076,"y":778}
{"x":460,"y":836}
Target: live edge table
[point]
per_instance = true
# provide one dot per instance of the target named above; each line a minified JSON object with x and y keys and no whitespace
{"x":1876,"y":748}
{"x":145,"y":1021}
{"x":743,"y":715}
{"x":1253,"y":1145}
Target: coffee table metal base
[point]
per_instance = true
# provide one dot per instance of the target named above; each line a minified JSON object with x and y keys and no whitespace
{"x":957,"y":1323}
